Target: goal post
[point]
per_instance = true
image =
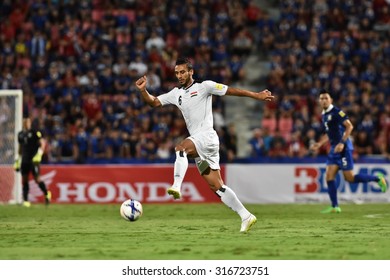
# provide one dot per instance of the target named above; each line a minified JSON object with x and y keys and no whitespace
{"x":11,"y":117}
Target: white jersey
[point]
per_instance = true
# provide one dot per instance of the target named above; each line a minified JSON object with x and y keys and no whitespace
{"x":195,"y":103}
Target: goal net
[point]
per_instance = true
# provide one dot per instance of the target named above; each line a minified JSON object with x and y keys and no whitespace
{"x":11,"y":115}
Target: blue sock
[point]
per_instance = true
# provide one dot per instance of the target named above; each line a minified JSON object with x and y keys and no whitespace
{"x":365,"y":178}
{"x":332,"y":191}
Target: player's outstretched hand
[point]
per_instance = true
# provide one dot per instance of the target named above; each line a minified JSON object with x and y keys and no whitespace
{"x":17,"y":164}
{"x":37,"y":158}
{"x":265,"y":95}
{"x":141,"y":83}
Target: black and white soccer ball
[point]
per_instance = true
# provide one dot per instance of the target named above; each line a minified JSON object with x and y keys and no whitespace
{"x":131,"y":210}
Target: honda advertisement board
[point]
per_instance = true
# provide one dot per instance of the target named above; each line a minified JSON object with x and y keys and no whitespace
{"x":116,"y":183}
{"x":253,"y":183}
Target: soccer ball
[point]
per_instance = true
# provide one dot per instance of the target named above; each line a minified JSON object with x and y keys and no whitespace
{"x":131,"y":210}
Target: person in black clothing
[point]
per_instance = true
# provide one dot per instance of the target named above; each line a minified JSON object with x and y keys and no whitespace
{"x":30,"y":153}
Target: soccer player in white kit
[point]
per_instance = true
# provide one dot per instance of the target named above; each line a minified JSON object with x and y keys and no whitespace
{"x":194,"y":99}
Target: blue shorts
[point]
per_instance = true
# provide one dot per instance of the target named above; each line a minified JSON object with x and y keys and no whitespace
{"x":343,"y":159}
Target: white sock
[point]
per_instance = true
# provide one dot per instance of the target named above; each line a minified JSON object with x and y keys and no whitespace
{"x":231,"y":200}
{"x":180,"y":168}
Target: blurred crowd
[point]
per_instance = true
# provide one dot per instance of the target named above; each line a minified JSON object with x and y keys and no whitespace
{"x":76,"y":62}
{"x":340,"y":46}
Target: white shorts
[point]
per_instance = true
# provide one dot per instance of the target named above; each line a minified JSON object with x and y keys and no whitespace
{"x":207,"y":147}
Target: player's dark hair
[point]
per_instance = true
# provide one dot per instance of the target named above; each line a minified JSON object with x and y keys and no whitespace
{"x":324,"y":91}
{"x":186,"y":61}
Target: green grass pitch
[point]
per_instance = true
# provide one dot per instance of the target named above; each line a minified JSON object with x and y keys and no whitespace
{"x":194,"y":232}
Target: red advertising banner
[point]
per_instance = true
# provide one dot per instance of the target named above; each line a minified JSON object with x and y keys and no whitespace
{"x":116,"y":183}
{"x":7,"y":182}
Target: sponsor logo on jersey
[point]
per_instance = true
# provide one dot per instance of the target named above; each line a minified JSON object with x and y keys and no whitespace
{"x":219,"y":86}
{"x":342,"y":114}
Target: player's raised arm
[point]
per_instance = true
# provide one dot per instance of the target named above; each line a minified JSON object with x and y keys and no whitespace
{"x":150,"y":99}
{"x":264,"y":95}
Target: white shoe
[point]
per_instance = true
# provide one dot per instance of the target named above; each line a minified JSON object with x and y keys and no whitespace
{"x":248,"y":223}
{"x":175,"y":192}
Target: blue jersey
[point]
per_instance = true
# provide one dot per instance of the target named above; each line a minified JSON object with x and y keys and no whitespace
{"x":333,"y":119}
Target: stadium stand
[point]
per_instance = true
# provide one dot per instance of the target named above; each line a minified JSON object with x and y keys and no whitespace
{"x":76,"y":62}
{"x":342,"y":46}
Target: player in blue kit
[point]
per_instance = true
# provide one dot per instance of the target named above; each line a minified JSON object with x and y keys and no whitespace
{"x":338,"y":129}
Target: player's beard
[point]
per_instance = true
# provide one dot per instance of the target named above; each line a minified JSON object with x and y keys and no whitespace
{"x":187,"y":82}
